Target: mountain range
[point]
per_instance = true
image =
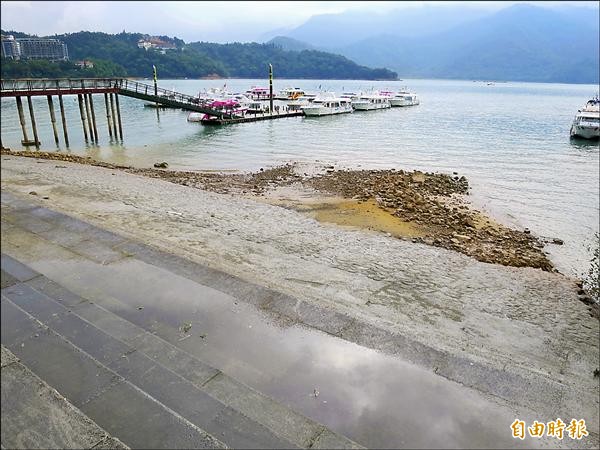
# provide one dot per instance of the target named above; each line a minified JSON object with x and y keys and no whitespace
{"x":520,"y":43}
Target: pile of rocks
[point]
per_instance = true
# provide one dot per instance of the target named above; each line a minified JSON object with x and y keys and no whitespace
{"x":433,"y":202}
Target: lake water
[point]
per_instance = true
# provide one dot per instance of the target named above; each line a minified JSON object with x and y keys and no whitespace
{"x":511,"y":140}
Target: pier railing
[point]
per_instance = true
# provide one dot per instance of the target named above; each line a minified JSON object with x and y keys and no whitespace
{"x":28,"y":87}
{"x":45,"y":86}
{"x":146,"y":89}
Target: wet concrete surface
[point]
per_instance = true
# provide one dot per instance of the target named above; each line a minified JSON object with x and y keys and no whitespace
{"x":376,"y":399}
{"x":34,"y":415}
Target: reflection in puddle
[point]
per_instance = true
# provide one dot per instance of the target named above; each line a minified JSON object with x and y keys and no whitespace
{"x":375,"y":399}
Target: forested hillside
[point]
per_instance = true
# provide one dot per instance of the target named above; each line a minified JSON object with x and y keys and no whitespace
{"x":119,"y":55}
{"x":250,"y":60}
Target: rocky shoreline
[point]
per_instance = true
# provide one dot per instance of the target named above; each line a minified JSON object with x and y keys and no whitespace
{"x":431,"y":201}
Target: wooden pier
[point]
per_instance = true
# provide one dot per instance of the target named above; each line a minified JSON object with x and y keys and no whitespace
{"x":110,"y":88}
{"x":84,"y":89}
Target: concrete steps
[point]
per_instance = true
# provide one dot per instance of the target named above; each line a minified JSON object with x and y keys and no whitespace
{"x":37,"y":416}
{"x":142,"y":389}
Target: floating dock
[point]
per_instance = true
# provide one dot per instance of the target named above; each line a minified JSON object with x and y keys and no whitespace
{"x":252,"y":118}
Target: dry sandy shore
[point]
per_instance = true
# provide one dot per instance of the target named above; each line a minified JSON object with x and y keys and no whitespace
{"x":522,"y":321}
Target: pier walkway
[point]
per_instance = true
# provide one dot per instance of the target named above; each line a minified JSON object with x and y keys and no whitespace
{"x":122,"y":86}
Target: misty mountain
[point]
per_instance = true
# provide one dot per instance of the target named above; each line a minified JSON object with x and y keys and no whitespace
{"x":333,"y":31}
{"x":265,"y":37}
{"x":519,"y":43}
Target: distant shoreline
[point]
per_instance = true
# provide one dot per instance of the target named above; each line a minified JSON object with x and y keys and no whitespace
{"x":360,"y":79}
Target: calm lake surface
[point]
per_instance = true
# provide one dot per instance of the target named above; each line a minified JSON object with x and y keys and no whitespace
{"x":511,"y":140}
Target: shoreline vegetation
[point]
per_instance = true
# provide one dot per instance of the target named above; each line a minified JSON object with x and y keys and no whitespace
{"x":427,"y":208}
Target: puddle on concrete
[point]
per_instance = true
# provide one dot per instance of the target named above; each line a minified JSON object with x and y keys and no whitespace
{"x":375,"y":399}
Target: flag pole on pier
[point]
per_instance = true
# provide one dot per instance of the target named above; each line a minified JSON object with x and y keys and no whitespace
{"x":271,"y":88}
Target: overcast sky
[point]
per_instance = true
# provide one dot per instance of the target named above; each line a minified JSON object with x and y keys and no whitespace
{"x":193,"y":21}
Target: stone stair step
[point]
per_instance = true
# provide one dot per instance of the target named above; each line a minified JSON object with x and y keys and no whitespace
{"x":287,"y":424}
{"x":105,"y":397}
{"x":36,"y":416}
{"x":163,"y":384}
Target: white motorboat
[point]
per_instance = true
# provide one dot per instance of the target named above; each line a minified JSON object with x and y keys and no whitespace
{"x":402,"y":98}
{"x":328,"y":104}
{"x":258,"y":93}
{"x":289,"y":94}
{"x":301,"y":102}
{"x":587,"y":121}
{"x":368,"y":102}
{"x":214,"y":94}
{"x":195,"y":117}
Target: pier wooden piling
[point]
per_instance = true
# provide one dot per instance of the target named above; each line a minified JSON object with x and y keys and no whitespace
{"x":64,"y":121}
{"x":52,"y":118}
{"x":33,"y":125}
{"x":93,"y":118}
{"x":22,"y":119}
{"x":82,"y":114}
{"x":114,"y":119}
{"x":270,"y":88}
{"x":110,"y":133}
{"x":88,"y":116}
{"x":119,"y":116}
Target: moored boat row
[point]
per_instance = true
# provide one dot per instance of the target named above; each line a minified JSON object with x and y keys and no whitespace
{"x":351,"y":101}
{"x":322,"y":104}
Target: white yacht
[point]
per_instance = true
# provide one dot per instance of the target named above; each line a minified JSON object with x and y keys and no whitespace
{"x":587,"y":121}
{"x":289,"y":94}
{"x":368,"y":102}
{"x":328,"y":104}
{"x":403,"y":98}
{"x":301,"y":102}
{"x":258,"y":93}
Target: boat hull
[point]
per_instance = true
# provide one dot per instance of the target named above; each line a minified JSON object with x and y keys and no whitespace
{"x":401,"y":102}
{"x":370,"y":106}
{"x":195,"y":117}
{"x":325,"y":111}
{"x":585,"y":132}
